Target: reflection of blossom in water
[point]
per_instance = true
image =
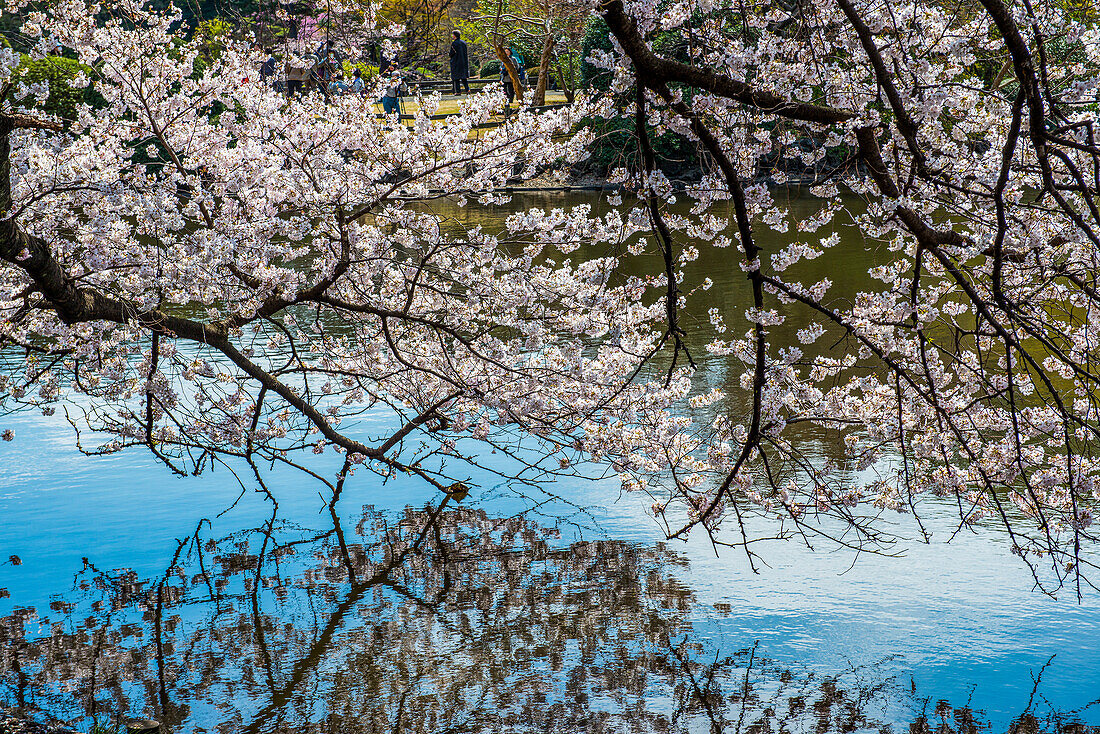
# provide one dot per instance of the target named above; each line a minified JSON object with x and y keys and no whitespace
{"x":426,"y":621}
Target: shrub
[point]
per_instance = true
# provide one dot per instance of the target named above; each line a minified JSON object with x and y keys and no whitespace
{"x":490,"y":68}
{"x":59,"y":72}
{"x":369,"y":71}
{"x":616,"y":145}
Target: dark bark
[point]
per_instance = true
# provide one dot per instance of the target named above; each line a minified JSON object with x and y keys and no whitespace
{"x":651,"y":67}
{"x":544,"y":71}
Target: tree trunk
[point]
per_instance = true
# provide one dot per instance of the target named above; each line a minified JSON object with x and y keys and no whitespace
{"x":513,"y":74}
{"x":566,"y":79}
{"x":544,"y":70}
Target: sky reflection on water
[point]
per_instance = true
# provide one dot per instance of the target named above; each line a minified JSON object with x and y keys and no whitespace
{"x":959,"y":622}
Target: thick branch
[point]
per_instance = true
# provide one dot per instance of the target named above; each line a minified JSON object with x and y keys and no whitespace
{"x":653,"y":69}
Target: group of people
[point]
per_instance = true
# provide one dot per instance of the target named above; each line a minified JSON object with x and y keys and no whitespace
{"x":392,"y":83}
{"x":327,"y":74}
{"x":338,"y":86}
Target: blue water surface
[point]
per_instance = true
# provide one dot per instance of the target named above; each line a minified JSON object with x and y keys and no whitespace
{"x":959,"y":621}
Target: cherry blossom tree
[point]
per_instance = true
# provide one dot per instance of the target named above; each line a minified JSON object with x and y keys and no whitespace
{"x":970,"y":375}
{"x":554,"y":27}
{"x":205,"y":269}
{"x":210,"y":271}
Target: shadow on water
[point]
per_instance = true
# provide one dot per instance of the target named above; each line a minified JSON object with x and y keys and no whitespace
{"x":442,"y":619}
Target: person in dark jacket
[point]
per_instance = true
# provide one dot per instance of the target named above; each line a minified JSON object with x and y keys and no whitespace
{"x":460,"y":65}
{"x":267,"y":69}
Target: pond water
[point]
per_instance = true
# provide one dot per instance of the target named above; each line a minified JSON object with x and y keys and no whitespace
{"x":143,"y":594}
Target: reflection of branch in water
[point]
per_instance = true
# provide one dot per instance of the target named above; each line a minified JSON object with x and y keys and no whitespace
{"x":309,"y":662}
{"x":441,"y":619}
{"x":257,"y":584}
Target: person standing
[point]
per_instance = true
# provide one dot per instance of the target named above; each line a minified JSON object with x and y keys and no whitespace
{"x":519,"y":64}
{"x":391,"y":88}
{"x":506,"y":78}
{"x":267,"y":69}
{"x":296,"y":78}
{"x":328,"y":64}
{"x":460,"y":64}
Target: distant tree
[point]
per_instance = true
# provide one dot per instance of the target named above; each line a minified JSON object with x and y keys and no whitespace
{"x":423,"y":27}
{"x":490,"y":28}
{"x":553,"y":27}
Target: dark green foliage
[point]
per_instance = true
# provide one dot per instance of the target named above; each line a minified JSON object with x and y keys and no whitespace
{"x":596,"y":37}
{"x":10,"y":25}
{"x":59,"y":72}
{"x":490,"y":68}
{"x":195,"y":11}
{"x":616,"y":145}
